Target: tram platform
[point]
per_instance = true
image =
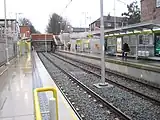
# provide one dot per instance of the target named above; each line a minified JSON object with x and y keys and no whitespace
{"x":144,"y":69}
{"x":17,"y":82}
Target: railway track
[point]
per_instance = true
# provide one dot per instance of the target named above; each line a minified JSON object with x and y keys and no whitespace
{"x":131,"y":104}
{"x":89,"y":68}
{"x":118,"y":115}
{"x":137,"y":108}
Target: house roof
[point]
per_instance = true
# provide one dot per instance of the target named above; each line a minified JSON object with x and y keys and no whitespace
{"x":111,"y":19}
{"x":8,"y":19}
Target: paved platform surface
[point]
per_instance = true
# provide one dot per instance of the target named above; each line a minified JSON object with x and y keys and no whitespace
{"x":65,"y":111}
{"x":132,"y":60}
{"x":17,"y":82}
{"x":138,"y":69}
{"x":16,"y":91}
{"x":141,"y":64}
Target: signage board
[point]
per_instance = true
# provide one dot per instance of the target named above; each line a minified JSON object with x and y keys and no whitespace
{"x":119,"y":44}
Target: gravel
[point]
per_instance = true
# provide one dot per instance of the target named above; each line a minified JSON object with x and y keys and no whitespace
{"x":149,"y":91}
{"x":136,"y":107}
{"x":87,"y":108}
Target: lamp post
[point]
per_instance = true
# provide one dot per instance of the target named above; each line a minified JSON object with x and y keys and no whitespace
{"x":90,"y":33}
{"x":5,"y":33}
{"x":16,"y":32}
{"x":61,"y":33}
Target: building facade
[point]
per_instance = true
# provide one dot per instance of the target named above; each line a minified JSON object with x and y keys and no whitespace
{"x":79,"y":29}
{"x":25,"y":32}
{"x":150,"y":10}
{"x":108,"y":23}
{"x":42,"y":42}
{"x":12,"y":29}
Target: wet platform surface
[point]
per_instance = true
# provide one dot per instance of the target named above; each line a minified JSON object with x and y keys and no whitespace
{"x":65,"y":111}
{"x":17,"y":82}
{"x":16,"y":90}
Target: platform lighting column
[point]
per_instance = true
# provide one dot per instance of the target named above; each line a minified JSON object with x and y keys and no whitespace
{"x":16,"y":32}
{"x":102,"y":45}
{"x":137,"y":46}
{"x":5,"y":33}
{"x":114,"y":14}
{"x":60,"y":33}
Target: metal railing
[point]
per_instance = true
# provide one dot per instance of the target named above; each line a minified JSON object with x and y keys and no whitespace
{"x":53,"y":103}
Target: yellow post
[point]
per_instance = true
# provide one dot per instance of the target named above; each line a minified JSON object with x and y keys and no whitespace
{"x":36,"y":101}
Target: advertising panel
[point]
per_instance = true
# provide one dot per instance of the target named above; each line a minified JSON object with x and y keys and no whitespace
{"x":119,"y":44}
{"x":157,"y":45}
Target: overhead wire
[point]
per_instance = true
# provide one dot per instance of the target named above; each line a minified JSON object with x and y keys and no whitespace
{"x":66,"y":7}
{"x":122,"y":2}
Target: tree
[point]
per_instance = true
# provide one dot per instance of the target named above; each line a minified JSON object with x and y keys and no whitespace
{"x":27,"y":22}
{"x":57,"y":24}
{"x":133,"y":15}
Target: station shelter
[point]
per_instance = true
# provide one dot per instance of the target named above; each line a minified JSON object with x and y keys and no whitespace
{"x":142,"y":38}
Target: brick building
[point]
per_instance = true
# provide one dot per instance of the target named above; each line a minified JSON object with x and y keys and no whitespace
{"x":108,"y":23}
{"x":24,"y":32}
{"x":150,"y":10}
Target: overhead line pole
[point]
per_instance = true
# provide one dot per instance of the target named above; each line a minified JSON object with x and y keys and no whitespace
{"x":102,"y":46}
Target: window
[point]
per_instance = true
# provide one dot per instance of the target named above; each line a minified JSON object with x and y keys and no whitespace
{"x":109,"y":24}
{"x":157,"y":3}
{"x":140,"y":39}
{"x":150,"y":39}
{"x":117,"y":24}
{"x":98,"y":24}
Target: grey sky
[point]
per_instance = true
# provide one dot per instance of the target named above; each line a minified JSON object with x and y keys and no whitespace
{"x":38,"y":11}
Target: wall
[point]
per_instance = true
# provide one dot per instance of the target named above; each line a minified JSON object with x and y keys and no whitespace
{"x":40,"y":46}
{"x":149,"y":11}
{"x":24,"y":31}
{"x":92,"y":45}
{"x":73,"y":44}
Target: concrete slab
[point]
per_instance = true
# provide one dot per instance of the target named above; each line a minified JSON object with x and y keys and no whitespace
{"x":17,"y":87}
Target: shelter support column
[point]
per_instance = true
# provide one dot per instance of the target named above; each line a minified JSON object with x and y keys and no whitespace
{"x":153,"y":41}
{"x":137,"y":36}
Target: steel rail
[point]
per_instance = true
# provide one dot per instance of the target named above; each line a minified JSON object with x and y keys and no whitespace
{"x":113,"y":82}
{"x":120,"y":114}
